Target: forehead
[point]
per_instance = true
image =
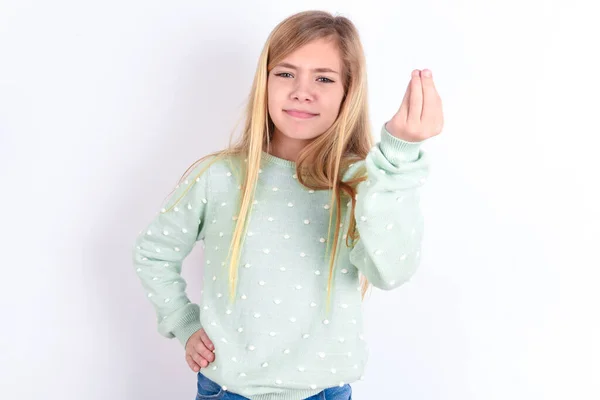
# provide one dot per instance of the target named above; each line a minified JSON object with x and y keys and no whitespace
{"x":317,"y":54}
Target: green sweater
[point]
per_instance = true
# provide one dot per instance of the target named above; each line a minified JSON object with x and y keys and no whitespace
{"x":276,"y":341}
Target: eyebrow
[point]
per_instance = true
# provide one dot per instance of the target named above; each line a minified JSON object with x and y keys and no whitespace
{"x":288,"y":65}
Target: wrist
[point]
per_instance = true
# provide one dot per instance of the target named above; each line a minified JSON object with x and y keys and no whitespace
{"x":398,"y":132}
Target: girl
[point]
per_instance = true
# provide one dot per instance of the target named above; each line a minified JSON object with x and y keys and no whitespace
{"x":297,"y":220}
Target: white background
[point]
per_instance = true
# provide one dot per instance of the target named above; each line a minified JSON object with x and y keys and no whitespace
{"x":104,"y":105}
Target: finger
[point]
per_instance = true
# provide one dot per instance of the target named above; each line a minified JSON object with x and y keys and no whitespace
{"x":204,"y":352}
{"x":403,"y":111}
{"x":416,"y":99}
{"x":431,"y":108}
{"x":199,"y":360}
{"x":207,"y":342}
{"x":193,"y":365}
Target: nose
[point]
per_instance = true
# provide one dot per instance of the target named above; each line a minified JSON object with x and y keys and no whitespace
{"x":302,"y":90}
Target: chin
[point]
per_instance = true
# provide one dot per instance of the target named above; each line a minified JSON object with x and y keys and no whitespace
{"x":301,"y":133}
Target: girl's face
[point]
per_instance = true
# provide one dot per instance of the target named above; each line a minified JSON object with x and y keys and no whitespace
{"x":305,"y":91}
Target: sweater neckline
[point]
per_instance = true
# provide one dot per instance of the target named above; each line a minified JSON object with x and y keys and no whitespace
{"x":271,"y":159}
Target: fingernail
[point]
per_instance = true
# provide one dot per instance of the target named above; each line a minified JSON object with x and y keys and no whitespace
{"x":416,"y":73}
{"x":427,"y":73}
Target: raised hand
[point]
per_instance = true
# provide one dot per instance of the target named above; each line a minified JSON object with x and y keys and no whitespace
{"x":420,"y":115}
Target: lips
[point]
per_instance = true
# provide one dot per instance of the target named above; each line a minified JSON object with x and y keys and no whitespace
{"x":300,"y":114}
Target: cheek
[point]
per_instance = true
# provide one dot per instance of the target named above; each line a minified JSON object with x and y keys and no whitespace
{"x":333,"y":105}
{"x":272,"y":101}
{"x":274,"y":98}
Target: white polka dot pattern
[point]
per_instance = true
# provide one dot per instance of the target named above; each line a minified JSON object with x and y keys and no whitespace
{"x":278,"y":326}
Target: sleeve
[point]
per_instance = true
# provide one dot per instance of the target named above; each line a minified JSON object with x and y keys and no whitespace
{"x":388,"y":215}
{"x":160,"y":249}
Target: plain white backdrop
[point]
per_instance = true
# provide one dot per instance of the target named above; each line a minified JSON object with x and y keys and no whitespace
{"x":104,"y":105}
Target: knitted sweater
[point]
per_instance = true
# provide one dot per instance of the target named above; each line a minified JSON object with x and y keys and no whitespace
{"x":276,"y":341}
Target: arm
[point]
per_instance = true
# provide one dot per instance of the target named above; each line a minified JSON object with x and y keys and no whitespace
{"x":388,"y":215}
{"x":162,"y":246}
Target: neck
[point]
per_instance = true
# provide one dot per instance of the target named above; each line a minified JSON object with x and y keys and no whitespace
{"x":287,"y":148}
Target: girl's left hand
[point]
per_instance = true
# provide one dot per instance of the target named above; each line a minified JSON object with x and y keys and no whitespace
{"x":420,"y":115}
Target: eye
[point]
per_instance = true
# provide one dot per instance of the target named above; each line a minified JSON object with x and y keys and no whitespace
{"x":327,"y":79}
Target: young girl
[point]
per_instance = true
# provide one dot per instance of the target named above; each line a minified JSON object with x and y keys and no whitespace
{"x":292,"y":218}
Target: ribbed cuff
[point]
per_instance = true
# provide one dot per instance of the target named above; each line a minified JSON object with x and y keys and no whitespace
{"x":396,"y":150}
{"x":189,"y":325}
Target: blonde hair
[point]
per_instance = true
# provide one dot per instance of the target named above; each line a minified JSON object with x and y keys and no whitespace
{"x":322,"y":163}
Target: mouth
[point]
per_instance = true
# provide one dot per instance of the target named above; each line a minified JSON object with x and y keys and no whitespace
{"x":300,"y":114}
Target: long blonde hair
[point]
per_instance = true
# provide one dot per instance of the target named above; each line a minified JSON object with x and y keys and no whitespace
{"x":322,"y":163}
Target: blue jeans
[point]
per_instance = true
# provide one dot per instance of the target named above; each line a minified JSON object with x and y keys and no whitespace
{"x":209,"y":390}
